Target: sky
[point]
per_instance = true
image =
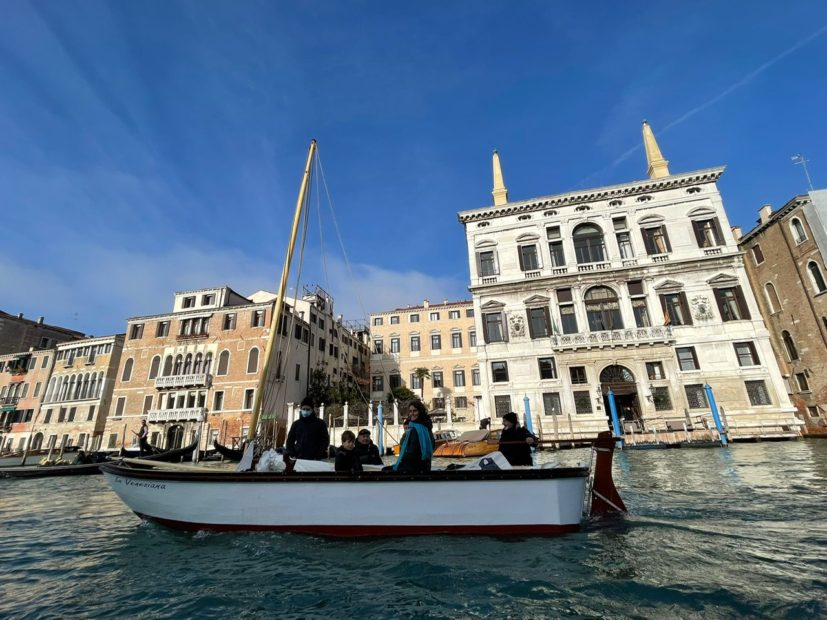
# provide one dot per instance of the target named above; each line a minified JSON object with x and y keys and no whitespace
{"x":158,"y":146}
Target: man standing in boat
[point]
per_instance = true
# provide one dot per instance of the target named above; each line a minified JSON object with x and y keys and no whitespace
{"x":515,"y":441}
{"x":308,"y":438}
{"x":143,"y":439}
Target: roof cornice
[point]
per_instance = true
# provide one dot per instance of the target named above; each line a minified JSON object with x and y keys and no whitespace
{"x":707,"y":175}
{"x":793,"y":204}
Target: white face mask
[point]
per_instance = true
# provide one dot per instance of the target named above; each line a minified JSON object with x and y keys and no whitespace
{"x":306,"y":412}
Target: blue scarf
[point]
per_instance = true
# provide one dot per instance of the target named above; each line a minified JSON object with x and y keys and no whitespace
{"x":425,"y":444}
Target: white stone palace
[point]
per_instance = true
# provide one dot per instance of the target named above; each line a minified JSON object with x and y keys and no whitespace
{"x":639,"y":288}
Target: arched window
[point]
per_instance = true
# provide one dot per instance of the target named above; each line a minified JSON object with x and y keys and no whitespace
{"x":179,"y":364}
{"x":818,"y":279}
{"x":588,"y":244}
{"x":208,"y":363}
{"x":84,"y":392}
{"x":252,"y":361}
{"x":223,"y":363}
{"x":168,"y":366}
{"x":64,"y":388}
{"x":789,"y":345}
{"x":188,"y":364}
{"x":772,"y":297}
{"x":127,"y":370}
{"x":93,"y":386}
{"x":196,"y":367}
{"x":603,"y":309}
{"x":100,"y":385}
{"x":70,"y":394}
{"x":798,"y":231}
{"x":153,"y":367}
{"x":50,"y":390}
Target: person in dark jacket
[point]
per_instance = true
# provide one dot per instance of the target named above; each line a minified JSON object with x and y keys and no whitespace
{"x":347,"y":460}
{"x":418,"y":443}
{"x":308,"y":437}
{"x":515,"y":441}
{"x":366,"y":450}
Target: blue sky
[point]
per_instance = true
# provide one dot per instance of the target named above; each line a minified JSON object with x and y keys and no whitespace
{"x":156,"y":146}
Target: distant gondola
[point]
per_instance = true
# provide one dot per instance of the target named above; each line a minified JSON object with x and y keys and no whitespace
{"x":170,"y":456}
{"x":49,"y":471}
{"x":229,"y":454}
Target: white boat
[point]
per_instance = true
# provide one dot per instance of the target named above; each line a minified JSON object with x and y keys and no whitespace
{"x":547,"y":500}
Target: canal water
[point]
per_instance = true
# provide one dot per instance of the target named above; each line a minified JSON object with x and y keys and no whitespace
{"x":711,"y":533}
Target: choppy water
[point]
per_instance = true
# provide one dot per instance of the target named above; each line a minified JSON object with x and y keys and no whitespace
{"x":711,"y":533}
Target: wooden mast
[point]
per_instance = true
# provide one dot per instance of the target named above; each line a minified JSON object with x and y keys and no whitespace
{"x":285,"y":273}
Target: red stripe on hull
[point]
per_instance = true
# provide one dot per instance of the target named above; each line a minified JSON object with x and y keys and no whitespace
{"x":361,"y":531}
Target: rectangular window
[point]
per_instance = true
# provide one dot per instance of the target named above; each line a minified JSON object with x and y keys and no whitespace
{"x":567,"y":316}
{"x":45,"y":362}
{"x":323,"y":345}
{"x":708,"y":233}
{"x":436,"y":342}
{"x":548,"y":368}
{"x":61,"y":415}
{"x":539,"y":322}
{"x":528,"y":258}
{"x":162,"y":329}
{"x":757,"y":392}
{"x":472,"y":338}
{"x":551,"y":403}
{"x":582,"y":402}
{"x":378,"y":347}
{"x":436,"y":379}
{"x":493,"y":326}
{"x":558,"y":256}
{"x":147,"y":403}
{"x":298,"y":375}
{"x":696,"y":396}
{"x":486,"y":263}
{"x":415,"y":343}
{"x":757,"y":254}
{"x":456,"y":340}
{"x":189,"y":302}
{"x":578,"y":375}
{"x":258,"y":318}
{"x":624,"y":245}
{"x":461,"y":402}
{"x":229,"y":321}
{"x":395,"y":320}
{"x":654,"y":370}
{"x":416,"y":382}
{"x":377,"y":321}
{"x":502,"y":405}
{"x":803,"y":384}
{"x":459,"y":378}
{"x":394,"y":381}
{"x":746,"y":354}
{"x":475,"y":376}
{"x":207,"y":300}
{"x":136,"y":331}
{"x":218,"y":401}
{"x":413,"y":318}
{"x":731,"y":303}
{"x":453,"y":314}
{"x":687,"y":359}
{"x":656,"y":241}
{"x":499,"y":372}
{"x":36,"y":390}
{"x":113,"y":440}
{"x":675,"y":309}
{"x":119,"y":406}
{"x":661,"y":398}
{"x":249,"y":398}
{"x":433,"y":316}
{"x":469,"y":313}
{"x":48,"y":417}
{"x":91,"y":415}
{"x":378,"y":383}
{"x":394,"y":345}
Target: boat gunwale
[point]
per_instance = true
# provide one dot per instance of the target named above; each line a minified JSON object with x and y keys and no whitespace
{"x":455,"y":475}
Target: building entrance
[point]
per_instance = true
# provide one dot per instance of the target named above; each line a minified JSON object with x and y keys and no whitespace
{"x":622,"y":382}
{"x":175,"y":437}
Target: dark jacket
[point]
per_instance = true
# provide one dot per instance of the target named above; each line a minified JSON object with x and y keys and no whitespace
{"x":518,"y":452}
{"x":347,"y":460}
{"x":368,"y":454}
{"x":412,"y":461}
{"x":308,"y":439}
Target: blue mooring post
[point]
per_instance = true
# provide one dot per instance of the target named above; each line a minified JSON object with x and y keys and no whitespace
{"x":713,"y":406}
{"x":613,"y":412}
{"x":379,"y":420}
{"x":529,"y":425}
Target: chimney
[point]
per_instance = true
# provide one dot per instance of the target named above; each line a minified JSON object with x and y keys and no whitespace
{"x":19,"y":315}
{"x":40,"y":320}
{"x":444,"y":302}
{"x":736,"y":232}
{"x":425,"y":304}
{"x":764,"y":213}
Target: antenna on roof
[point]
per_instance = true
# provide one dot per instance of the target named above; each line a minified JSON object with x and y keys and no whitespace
{"x":798,"y":158}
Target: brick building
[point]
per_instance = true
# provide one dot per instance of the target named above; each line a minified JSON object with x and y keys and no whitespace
{"x":21,"y":334}
{"x":23,"y":379}
{"x":786,"y":267}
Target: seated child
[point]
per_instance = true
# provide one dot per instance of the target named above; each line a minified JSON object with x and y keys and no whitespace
{"x":346,"y":458}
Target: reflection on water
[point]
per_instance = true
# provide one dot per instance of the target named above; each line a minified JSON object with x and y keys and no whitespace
{"x":711,"y":533}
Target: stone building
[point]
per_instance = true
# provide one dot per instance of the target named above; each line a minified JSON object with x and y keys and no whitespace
{"x":23,"y":378}
{"x":439,"y":337}
{"x":21,"y":334}
{"x":197,"y":368}
{"x":785,"y":264}
{"x":639,"y":288}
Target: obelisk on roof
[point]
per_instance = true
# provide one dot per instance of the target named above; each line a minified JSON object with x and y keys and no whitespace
{"x":658,"y":166}
{"x":500,"y":193}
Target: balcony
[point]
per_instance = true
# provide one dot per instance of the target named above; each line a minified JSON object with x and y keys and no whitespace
{"x":489,"y":280}
{"x":532,"y":274}
{"x":191,"y":414}
{"x":9,"y":403}
{"x":633,"y":336}
{"x":660,"y":258}
{"x":713,"y":251}
{"x":199,"y":336}
{"x":178,"y":381}
{"x":557,"y":271}
{"x":593,"y":266}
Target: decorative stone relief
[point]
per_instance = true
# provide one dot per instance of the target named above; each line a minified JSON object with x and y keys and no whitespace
{"x":517,"y":324}
{"x":700,"y":308}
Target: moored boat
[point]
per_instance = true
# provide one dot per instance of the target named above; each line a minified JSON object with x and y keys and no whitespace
{"x":50,"y":471}
{"x":169,"y":456}
{"x":470,"y":443}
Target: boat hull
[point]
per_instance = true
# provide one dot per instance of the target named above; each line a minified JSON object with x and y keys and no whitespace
{"x":50,"y":471}
{"x":544,"y":502}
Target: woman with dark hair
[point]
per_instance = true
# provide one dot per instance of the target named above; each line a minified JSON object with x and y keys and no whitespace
{"x":418,"y":443}
{"x":515,"y":441}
